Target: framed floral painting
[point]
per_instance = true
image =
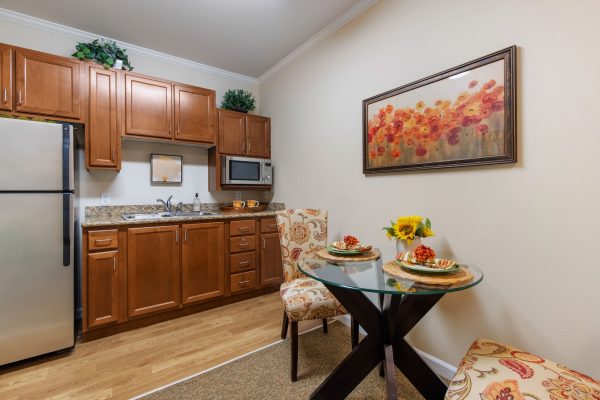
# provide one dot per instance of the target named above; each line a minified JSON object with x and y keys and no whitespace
{"x":166,"y":168}
{"x":459,"y":117}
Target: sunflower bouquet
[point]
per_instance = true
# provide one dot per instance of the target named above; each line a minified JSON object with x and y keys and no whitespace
{"x":407,"y":228}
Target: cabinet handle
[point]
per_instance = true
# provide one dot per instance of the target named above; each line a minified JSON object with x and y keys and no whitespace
{"x":112,"y":152}
{"x":243,"y":244}
{"x":20,"y":98}
{"x":178,"y":128}
{"x":243,"y":146}
{"x":244,"y":283}
{"x":114,"y":263}
{"x":177,"y":236}
{"x":185,"y":235}
{"x":264,"y":243}
{"x":243,"y":263}
{"x":98,"y":241}
{"x":249,"y":146}
{"x":273,"y":226}
{"x":4,"y":96}
{"x":244,"y":229}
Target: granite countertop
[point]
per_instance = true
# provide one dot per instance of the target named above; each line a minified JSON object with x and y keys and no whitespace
{"x":113,"y":215}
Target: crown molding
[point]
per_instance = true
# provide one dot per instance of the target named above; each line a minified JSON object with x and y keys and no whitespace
{"x":319,"y":37}
{"x":80,"y":35}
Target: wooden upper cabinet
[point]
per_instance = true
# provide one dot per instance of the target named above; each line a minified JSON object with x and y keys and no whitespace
{"x":271,"y":268}
{"x":48,"y":84}
{"x":103,"y":288}
{"x":104,"y":141}
{"x":258,"y":136}
{"x":148,"y":107}
{"x":194,"y":114}
{"x":232,"y":132}
{"x":203,"y":261}
{"x":6,"y":78}
{"x":153,"y":269}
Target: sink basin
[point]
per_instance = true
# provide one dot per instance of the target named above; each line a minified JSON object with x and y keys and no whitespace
{"x":137,"y":217}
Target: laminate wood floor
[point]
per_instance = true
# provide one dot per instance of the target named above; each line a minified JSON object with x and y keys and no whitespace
{"x":134,"y":362}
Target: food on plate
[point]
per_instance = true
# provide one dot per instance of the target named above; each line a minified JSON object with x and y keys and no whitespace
{"x":424,"y":254}
{"x":350,"y":243}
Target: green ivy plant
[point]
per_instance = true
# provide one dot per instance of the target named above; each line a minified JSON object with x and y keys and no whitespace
{"x":105,"y":52}
{"x":238,"y":100}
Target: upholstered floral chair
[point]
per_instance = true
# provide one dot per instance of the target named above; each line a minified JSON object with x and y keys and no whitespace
{"x":303,"y":233}
{"x":494,"y":371}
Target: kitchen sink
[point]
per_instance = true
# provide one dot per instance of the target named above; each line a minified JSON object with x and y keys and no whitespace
{"x":165,"y":215}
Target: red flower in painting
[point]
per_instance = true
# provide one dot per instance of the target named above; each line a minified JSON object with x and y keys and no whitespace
{"x":453,"y":139}
{"x":380,"y":151}
{"x":482,"y":129}
{"x":372,"y":154}
{"x":490,"y":84}
{"x":389,"y":108}
{"x":472,"y":84}
{"x":454,"y":131}
{"x":489,"y":98}
{"x":370,"y":138}
{"x":466,"y":121}
{"x":498,"y":106}
{"x":398,"y":125}
{"x":421,"y":151}
{"x":390,"y":137}
{"x":395,"y":153}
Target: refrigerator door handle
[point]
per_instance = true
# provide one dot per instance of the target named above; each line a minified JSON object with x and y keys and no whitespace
{"x":66,"y":229}
{"x":66,"y":146}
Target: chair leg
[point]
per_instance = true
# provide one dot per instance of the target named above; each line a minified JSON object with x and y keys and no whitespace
{"x":294,"y":350}
{"x":354,"y":331}
{"x":324,"y":325}
{"x":284,"y":327}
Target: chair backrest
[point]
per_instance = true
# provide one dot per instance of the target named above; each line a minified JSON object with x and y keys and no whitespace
{"x":301,"y":232}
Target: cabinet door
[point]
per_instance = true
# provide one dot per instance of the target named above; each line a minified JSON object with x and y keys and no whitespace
{"x":271,"y":268}
{"x":258,"y":136}
{"x":6,"y":76}
{"x":148,"y":107}
{"x":103,"y":288}
{"x":203,"y":262}
{"x":232,"y":132}
{"x":194,"y":114}
{"x":103,"y":138}
{"x":153,"y":273}
{"x":47,"y":84}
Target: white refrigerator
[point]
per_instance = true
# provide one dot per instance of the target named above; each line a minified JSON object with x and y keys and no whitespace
{"x":37,"y":280}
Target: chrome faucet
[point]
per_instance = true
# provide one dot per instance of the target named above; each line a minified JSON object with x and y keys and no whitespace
{"x":179,"y":207}
{"x":166,"y":204}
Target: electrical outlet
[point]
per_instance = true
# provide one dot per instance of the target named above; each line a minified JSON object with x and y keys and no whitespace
{"x":105,"y":199}
{"x":238,"y":195}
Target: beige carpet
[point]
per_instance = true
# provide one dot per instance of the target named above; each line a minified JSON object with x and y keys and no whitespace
{"x":265,"y":374}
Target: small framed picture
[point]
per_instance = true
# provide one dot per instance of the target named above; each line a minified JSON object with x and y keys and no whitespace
{"x":166,"y":168}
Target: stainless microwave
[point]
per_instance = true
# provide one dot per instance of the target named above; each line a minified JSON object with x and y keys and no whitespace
{"x":246,"y":171}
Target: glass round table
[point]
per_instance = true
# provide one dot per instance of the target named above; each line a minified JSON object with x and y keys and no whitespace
{"x":402,"y":304}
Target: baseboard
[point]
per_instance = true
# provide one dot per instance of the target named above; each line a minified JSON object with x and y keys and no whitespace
{"x":438,"y":366}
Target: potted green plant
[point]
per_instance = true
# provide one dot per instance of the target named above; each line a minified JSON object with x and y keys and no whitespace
{"x":105,"y":52}
{"x":238,"y":100}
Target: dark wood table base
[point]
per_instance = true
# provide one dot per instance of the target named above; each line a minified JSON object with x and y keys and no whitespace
{"x":384,"y":343}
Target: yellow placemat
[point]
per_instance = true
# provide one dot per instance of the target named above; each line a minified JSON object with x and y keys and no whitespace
{"x":462,"y":275}
{"x":373,"y":254}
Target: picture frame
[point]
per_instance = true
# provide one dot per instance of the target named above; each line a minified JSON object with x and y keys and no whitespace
{"x":463,"y":116}
{"x":166,"y":168}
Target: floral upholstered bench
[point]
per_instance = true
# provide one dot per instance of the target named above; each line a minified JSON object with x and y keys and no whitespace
{"x":494,"y":371}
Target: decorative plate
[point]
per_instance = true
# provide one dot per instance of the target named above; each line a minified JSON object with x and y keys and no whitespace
{"x":333,"y":250}
{"x":427,"y":270}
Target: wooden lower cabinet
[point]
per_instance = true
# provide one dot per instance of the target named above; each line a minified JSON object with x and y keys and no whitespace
{"x":202,"y":262}
{"x":153,"y":270}
{"x":103,"y":288}
{"x":271,"y":268}
{"x":138,"y":275}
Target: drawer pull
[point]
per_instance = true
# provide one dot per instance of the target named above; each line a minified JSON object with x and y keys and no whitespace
{"x":244,"y":283}
{"x":243,"y":244}
{"x":5,"y":96}
{"x":244,"y":228}
{"x":20,"y":98}
{"x":114,"y":263}
{"x":273,"y":226}
{"x":243,"y":263}
{"x":100,"y":241}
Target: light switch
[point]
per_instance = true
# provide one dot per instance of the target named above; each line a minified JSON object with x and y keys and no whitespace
{"x":105,"y":199}
{"x":238,"y":195}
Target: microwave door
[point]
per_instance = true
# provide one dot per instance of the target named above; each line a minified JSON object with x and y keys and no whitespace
{"x":243,"y":172}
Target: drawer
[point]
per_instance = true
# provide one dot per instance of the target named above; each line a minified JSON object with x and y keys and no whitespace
{"x":243,"y":262}
{"x":243,"y":227}
{"x":243,"y":281}
{"x":242,"y":243}
{"x":268,"y":225}
{"x":103,"y":240}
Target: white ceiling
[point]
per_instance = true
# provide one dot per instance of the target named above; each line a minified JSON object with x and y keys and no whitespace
{"x":243,"y":36}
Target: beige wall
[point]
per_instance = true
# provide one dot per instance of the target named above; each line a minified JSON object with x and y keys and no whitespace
{"x":532,"y":227}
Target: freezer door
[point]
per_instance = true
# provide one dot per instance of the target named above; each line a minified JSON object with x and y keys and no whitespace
{"x":36,"y":290}
{"x":32,"y":154}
